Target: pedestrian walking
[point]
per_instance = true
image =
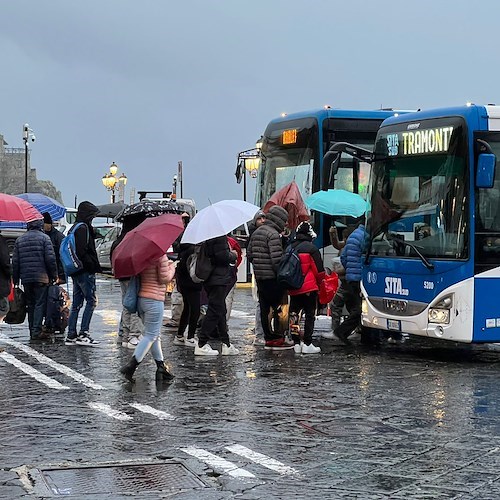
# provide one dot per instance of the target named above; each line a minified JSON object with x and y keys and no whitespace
{"x":351,"y":258}
{"x":216,"y":286}
{"x":84,"y":284}
{"x":55,"y":237}
{"x":5,"y":278}
{"x":34,"y":264}
{"x":150,"y":306}
{"x":189,"y":290}
{"x":264,"y":251}
{"x":305,"y":299}
{"x":131,"y":327}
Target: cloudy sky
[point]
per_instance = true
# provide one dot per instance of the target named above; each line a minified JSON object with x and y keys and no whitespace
{"x":148,"y":83}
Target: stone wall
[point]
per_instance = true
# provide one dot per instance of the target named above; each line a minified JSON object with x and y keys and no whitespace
{"x":12,"y":173}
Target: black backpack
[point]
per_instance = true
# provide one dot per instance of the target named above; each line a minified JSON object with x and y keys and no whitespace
{"x":290,"y":269}
{"x":199,"y":264}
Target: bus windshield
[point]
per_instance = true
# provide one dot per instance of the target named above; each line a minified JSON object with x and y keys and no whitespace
{"x":419,"y":185}
{"x":290,"y":150}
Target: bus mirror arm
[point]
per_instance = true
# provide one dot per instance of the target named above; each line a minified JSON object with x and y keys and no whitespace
{"x":331,"y":161}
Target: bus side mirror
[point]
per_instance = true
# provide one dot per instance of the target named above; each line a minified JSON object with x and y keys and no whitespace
{"x":330,"y":167}
{"x":485,"y":172}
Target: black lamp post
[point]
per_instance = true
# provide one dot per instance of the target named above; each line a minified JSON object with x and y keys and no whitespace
{"x":27,"y":135}
{"x":111,"y":182}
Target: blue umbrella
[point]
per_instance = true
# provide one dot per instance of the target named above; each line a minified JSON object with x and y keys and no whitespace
{"x":337,"y":202}
{"x":44,"y":203}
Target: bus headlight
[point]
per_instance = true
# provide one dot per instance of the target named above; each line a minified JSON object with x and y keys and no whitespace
{"x":364,"y":306}
{"x":440,"y":312}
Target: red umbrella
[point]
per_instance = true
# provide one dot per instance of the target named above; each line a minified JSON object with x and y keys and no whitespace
{"x":290,"y":199}
{"x":14,"y":209}
{"x":145,"y":244}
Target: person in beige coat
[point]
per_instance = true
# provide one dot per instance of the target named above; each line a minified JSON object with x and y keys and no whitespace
{"x":150,"y":308}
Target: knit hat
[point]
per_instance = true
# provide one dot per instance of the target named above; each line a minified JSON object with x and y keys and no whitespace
{"x":258,"y":215}
{"x":306,"y":228}
{"x":47,"y":219}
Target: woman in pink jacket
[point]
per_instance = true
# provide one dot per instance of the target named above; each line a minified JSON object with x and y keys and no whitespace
{"x":150,"y":308}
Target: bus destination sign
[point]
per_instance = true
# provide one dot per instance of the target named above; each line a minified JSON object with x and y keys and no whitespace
{"x":419,"y":142}
{"x":289,"y":136}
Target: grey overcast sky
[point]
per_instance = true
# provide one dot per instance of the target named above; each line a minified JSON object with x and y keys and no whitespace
{"x":147,"y":83}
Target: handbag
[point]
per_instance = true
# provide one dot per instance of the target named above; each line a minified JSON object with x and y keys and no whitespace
{"x":131,"y":296}
{"x":17,"y":308}
{"x":327,"y":288}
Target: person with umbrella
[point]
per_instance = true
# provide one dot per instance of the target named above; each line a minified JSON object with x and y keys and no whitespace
{"x":56,"y":237}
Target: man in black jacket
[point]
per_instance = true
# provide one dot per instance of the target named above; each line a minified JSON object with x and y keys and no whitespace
{"x":216,"y":287}
{"x":84,"y":284}
{"x":34,"y":264}
{"x":56,"y":237}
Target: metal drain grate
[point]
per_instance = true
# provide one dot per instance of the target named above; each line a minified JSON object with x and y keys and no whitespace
{"x":116,"y":479}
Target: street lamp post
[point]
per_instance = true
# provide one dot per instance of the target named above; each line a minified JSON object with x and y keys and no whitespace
{"x":249,"y":161}
{"x":27,"y":135}
{"x":111,"y":182}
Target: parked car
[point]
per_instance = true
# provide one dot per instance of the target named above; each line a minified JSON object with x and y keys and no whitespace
{"x":103,"y":247}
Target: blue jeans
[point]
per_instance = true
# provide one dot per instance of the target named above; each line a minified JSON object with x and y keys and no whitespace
{"x":36,"y":300}
{"x":151,"y":313}
{"x":84,"y":288}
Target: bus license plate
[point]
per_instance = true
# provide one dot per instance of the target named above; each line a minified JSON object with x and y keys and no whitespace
{"x":394,"y":324}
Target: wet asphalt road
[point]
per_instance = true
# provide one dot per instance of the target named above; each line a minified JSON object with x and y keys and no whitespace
{"x":416,"y":420}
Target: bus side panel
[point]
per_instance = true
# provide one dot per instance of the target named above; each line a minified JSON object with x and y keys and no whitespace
{"x":487,"y":308}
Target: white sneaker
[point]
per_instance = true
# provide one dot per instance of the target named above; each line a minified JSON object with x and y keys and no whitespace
{"x":133,"y":341}
{"x":310,"y":349}
{"x":206,"y":350}
{"x":328,"y":335}
{"x":179,"y":340}
{"x":86,"y":340}
{"x":229,"y":350}
{"x":190,"y":342}
{"x":297,"y":348}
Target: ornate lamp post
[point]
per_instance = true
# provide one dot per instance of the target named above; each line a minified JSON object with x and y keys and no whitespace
{"x":249,"y":161}
{"x":111,"y":182}
{"x":27,"y":135}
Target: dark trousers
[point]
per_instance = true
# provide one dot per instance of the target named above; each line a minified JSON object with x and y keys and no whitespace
{"x":305,"y":302}
{"x":215,"y":319}
{"x":270,"y":295}
{"x":190,"y":311}
{"x":352,"y":298}
{"x":36,"y":301}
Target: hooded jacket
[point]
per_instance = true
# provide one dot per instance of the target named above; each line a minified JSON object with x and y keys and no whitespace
{"x":265,"y":248}
{"x":221,"y":256}
{"x":34,"y":259}
{"x":351,"y":256}
{"x":85,"y":238}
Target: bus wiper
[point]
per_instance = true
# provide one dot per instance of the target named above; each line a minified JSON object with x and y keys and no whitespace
{"x":399,"y":240}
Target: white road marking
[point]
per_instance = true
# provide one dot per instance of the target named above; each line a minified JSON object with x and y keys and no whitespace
{"x":107,"y":410}
{"x":216,"y":462}
{"x":261,"y":459}
{"x":153,"y":411}
{"x":29,"y":370}
{"x":53,"y":364}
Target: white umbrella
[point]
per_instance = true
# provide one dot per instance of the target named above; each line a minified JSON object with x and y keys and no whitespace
{"x":218,"y":219}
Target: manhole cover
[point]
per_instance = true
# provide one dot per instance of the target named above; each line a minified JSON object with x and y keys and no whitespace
{"x":115,"y":479}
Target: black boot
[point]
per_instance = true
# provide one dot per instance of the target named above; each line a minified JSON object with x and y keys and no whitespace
{"x":162,"y":373}
{"x":129,"y":369}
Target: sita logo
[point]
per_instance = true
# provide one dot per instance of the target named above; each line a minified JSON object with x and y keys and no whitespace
{"x":394,"y":286}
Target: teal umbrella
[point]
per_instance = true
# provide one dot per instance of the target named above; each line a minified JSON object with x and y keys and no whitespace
{"x":337,"y":202}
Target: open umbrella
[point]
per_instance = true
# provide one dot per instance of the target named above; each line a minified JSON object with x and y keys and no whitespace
{"x":290,"y":199}
{"x":218,"y":219}
{"x":14,"y":209}
{"x":145,"y":244}
{"x":337,"y":202}
{"x":110,"y":210}
{"x":45,"y":203}
{"x":146,"y":208}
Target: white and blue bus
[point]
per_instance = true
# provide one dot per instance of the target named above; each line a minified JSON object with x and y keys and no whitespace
{"x":293,"y":147}
{"x":432,"y":265}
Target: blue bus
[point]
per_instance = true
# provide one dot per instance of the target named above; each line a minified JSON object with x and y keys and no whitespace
{"x":293,"y":147}
{"x":432,"y":265}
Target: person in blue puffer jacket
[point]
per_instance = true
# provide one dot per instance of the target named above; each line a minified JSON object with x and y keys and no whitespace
{"x":352,"y":260}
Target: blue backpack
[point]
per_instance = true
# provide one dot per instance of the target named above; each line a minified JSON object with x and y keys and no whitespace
{"x":290,"y":269}
{"x":69,"y":259}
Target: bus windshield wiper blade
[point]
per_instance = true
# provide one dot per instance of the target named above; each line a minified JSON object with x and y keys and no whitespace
{"x":394,"y":237}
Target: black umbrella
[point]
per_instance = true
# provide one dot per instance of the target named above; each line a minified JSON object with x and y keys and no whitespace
{"x":147,"y":208}
{"x":110,"y":210}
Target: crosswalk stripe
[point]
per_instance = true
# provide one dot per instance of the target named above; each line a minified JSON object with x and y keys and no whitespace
{"x":217,"y":463}
{"x":53,"y":364}
{"x":32,"y":372}
{"x":162,"y":415}
{"x":261,"y":459}
{"x":111,"y":412}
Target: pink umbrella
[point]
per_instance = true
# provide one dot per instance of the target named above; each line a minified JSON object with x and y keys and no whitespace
{"x":290,"y":199}
{"x":14,"y":209}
